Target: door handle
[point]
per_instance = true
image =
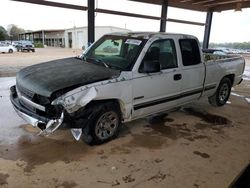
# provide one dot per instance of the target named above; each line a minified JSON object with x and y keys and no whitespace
{"x":177,"y":77}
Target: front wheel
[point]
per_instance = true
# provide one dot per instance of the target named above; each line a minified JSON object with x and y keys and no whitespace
{"x":222,"y":93}
{"x":104,"y":123}
{"x":10,"y":51}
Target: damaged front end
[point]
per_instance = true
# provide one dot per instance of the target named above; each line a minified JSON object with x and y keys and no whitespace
{"x":47,"y":118}
{"x":49,"y":115}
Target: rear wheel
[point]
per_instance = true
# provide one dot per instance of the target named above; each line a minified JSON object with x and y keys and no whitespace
{"x":222,"y":93}
{"x":10,"y":51}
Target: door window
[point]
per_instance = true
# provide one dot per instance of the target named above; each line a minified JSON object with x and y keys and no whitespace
{"x":190,"y":52}
{"x":162,"y":51}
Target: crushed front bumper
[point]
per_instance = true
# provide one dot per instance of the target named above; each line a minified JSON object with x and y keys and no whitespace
{"x":46,"y":125}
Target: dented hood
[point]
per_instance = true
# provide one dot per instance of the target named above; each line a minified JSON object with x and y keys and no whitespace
{"x":47,"y":78}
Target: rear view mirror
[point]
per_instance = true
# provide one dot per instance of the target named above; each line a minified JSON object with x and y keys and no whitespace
{"x":151,"y":66}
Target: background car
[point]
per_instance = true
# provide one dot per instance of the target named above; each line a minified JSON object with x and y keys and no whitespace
{"x":14,"y":43}
{"x":6,"y":48}
{"x":25,"y":45}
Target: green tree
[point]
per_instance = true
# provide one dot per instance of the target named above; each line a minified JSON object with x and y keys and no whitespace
{"x":3,"y":33}
{"x":15,"y":31}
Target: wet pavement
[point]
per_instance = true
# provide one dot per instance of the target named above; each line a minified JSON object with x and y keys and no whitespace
{"x":197,"y":146}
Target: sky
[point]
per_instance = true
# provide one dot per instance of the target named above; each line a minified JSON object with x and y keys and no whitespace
{"x":227,"y":26}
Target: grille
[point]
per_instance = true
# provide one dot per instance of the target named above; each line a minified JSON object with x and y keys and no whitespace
{"x":25,"y":92}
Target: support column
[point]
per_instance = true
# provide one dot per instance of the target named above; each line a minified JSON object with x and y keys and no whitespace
{"x":91,"y":21}
{"x":164,"y":11}
{"x":207,"y":30}
{"x":43,"y":37}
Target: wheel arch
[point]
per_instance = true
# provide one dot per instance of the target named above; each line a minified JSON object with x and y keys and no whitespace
{"x":230,"y":77}
{"x":116,"y":101}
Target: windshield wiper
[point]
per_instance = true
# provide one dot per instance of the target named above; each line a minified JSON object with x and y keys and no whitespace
{"x":98,"y":60}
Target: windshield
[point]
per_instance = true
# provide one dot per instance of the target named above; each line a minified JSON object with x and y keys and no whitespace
{"x":118,"y":52}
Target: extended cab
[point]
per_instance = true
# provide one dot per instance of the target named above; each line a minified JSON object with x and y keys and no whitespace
{"x":143,"y":74}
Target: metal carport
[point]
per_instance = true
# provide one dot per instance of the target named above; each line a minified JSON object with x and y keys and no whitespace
{"x":208,"y":6}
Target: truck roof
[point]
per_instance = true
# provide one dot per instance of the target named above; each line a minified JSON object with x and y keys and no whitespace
{"x":147,"y":35}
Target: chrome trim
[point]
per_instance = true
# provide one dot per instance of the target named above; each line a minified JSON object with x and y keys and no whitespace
{"x":51,"y":126}
{"x":34,"y":122}
{"x":31,"y":103}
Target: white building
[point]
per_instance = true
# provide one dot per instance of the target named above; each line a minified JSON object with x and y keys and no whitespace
{"x":77,"y":37}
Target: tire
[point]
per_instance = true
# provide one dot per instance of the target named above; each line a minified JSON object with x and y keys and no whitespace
{"x":10,"y":51}
{"x":28,"y":50}
{"x":103,"y":124}
{"x":18,"y":50}
{"x":222,"y":93}
{"x":33,"y":50}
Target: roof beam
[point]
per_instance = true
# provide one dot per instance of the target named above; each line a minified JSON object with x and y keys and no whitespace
{"x":230,"y":6}
{"x":202,"y":2}
{"x":221,"y":2}
{"x":54,"y":4}
{"x":185,"y":4}
{"x":105,"y":11}
{"x":201,"y":5}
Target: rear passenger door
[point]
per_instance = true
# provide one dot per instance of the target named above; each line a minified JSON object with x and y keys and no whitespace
{"x":193,"y":70}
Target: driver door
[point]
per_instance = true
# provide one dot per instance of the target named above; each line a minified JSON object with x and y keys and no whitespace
{"x":155,"y":92}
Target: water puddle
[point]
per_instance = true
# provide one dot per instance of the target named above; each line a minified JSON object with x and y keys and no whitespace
{"x":3,"y":179}
{"x":146,"y":140}
{"x":207,"y":117}
{"x":203,"y":155}
{"x":39,"y":150}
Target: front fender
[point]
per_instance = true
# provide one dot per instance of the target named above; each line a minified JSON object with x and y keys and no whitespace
{"x":76,"y":101}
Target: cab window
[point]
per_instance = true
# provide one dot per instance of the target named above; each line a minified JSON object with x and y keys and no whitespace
{"x":162,"y":51}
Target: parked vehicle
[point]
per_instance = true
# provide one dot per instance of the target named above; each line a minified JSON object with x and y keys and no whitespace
{"x":25,"y":45}
{"x":14,"y":43}
{"x":6,"y":48}
{"x":94,"y":93}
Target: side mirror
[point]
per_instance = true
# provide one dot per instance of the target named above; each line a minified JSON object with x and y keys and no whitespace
{"x":151,"y":66}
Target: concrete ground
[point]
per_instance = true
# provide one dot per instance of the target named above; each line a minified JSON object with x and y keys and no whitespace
{"x":199,"y":146}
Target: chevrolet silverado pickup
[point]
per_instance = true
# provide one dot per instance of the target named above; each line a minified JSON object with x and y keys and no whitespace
{"x":144,"y":74}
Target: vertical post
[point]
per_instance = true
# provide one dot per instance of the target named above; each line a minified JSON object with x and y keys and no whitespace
{"x":43,"y":37}
{"x":91,"y":21}
{"x":207,"y":30}
{"x":164,"y":11}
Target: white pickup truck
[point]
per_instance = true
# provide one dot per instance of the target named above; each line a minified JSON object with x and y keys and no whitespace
{"x":121,"y":77}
